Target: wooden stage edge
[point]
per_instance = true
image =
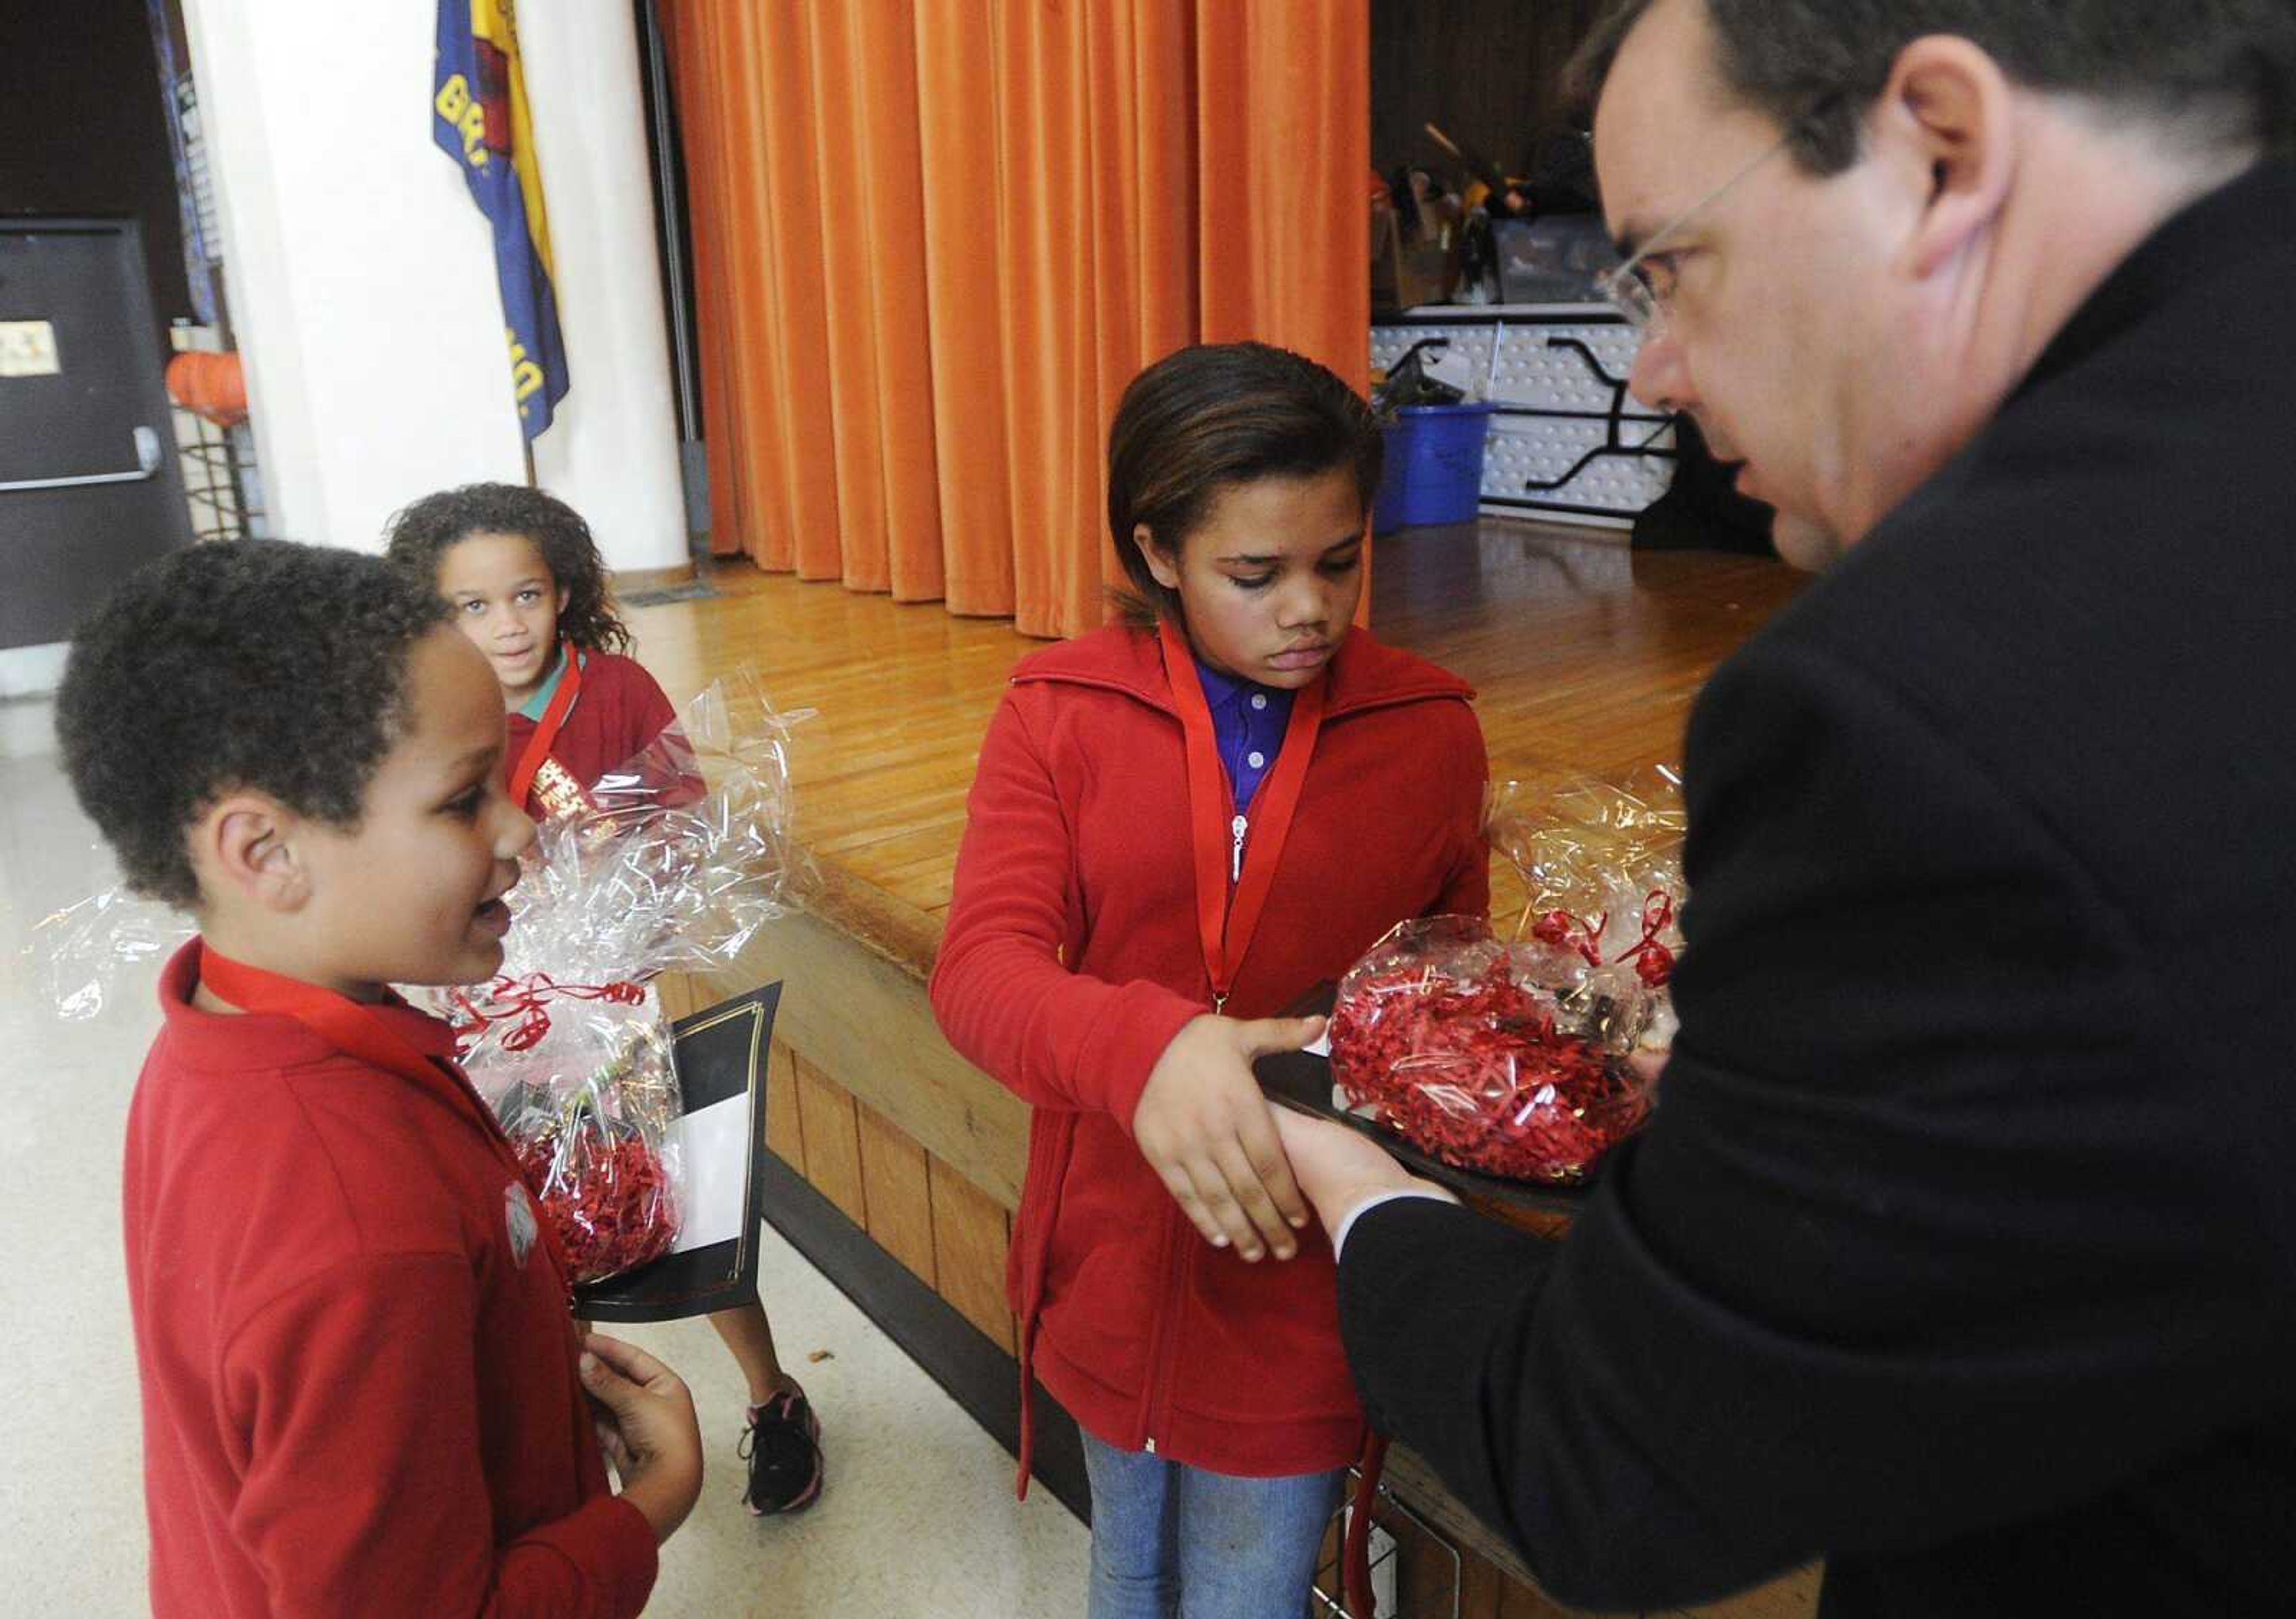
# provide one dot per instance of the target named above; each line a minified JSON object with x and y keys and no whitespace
{"x":1586,"y":656}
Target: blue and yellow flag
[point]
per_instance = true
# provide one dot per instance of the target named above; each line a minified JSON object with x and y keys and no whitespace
{"x":482,"y":121}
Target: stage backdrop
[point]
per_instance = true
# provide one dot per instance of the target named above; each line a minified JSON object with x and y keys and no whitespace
{"x":935,"y":238}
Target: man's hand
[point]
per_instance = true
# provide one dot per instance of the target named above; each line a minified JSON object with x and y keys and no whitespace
{"x":1203,"y":1128}
{"x":1341,"y":1168}
{"x":648,"y":1430}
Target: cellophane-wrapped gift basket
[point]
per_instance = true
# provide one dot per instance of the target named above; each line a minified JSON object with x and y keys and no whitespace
{"x":679,"y":856}
{"x":1528,"y":1053}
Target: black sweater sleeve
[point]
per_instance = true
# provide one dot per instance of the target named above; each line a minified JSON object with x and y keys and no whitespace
{"x":1923,"y":1236}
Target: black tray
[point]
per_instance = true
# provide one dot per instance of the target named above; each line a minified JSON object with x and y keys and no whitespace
{"x":1301,"y":1081}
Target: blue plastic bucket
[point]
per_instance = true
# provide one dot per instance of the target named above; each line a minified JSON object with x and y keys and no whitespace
{"x":1434,"y":465}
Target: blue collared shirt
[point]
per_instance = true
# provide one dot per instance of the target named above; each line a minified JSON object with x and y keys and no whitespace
{"x":1248,"y":721}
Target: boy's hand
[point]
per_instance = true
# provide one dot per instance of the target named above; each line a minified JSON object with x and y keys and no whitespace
{"x":648,"y":1433}
{"x":1204,"y":1128}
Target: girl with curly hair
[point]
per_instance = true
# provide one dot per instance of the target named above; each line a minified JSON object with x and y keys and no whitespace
{"x":528,"y":587}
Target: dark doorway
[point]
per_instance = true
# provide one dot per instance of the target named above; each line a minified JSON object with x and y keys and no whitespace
{"x":90,"y":482}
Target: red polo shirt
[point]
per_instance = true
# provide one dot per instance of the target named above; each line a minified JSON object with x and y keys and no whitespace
{"x":357,"y":1364}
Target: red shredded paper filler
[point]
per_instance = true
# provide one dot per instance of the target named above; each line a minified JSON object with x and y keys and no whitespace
{"x":609,"y":1202}
{"x":1475,"y":1072}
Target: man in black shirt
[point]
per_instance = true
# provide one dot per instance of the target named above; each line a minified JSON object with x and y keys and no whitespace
{"x":1961,"y":1248}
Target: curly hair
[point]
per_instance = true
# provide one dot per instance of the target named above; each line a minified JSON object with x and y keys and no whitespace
{"x":238,"y":664}
{"x":428,"y":529}
{"x":1218,"y":414}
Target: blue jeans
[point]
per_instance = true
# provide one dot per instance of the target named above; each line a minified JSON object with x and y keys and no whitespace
{"x":1172,"y":1542}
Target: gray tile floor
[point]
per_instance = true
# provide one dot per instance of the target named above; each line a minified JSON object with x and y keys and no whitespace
{"x":918,"y":1517}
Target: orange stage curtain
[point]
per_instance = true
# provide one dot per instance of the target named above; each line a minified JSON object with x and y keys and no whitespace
{"x":933,"y":240}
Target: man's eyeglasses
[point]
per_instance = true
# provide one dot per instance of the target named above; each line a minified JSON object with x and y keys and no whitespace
{"x":1642,"y":287}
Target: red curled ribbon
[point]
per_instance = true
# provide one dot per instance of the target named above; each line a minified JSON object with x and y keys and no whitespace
{"x":523,"y":997}
{"x":1653,"y":962}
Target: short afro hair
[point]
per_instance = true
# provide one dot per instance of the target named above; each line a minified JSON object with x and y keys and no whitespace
{"x":428,"y":529}
{"x":254,"y":664}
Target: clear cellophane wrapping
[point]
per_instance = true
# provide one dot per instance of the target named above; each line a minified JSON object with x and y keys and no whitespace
{"x":683,"y":852}
{"x":1529,"y":1052}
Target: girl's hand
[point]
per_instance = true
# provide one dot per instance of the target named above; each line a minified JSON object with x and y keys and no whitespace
{"x":1204,"y":1128}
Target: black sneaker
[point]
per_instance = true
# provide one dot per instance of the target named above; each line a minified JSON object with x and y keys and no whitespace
{"x":782,"y":1445}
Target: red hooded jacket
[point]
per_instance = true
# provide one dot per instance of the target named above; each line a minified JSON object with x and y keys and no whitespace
{"x":1070,"y":960}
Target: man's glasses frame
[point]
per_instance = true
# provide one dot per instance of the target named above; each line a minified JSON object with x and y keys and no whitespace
{"x":1640,"y":288}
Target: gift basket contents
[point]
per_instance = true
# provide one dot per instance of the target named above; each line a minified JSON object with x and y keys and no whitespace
{"x":1528,"y":1057}
{"x":1600,"y":864}
{"x":676,"y":861}
{"x":591,"y":1121}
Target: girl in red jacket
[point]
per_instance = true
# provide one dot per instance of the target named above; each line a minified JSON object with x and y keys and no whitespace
{"x":529,"y":590}
{"x":1180,"y":825}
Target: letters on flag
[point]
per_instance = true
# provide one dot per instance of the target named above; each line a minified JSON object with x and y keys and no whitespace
{"x":481,"y":118}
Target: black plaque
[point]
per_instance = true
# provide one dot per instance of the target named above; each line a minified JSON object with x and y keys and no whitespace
{"x":720,"y":1054}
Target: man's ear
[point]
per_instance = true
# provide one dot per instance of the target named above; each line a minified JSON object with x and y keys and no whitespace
{"x":1948,"y":120}
{"x":1162,"y":565}
{"x":246,"y":845}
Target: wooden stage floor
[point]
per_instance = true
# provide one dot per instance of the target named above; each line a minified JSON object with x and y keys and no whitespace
{"x":1586,"y":656}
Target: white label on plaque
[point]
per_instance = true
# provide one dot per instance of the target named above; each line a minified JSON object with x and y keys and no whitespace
{"x":715,"y":1144}
{"x":28,"y":348}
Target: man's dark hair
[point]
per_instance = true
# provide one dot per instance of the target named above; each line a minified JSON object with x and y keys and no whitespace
{"x":2226,"y":69}
{"x":237,"y":664}
{"x":428,"y":529}
{"x":1215,"y":415}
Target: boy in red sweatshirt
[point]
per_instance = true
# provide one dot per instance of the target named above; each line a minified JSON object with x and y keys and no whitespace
{"x":362,"y":1387}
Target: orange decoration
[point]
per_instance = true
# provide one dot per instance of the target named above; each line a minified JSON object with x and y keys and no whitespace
{"x":208,"y":385}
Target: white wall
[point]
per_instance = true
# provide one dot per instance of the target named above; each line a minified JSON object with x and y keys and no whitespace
{"x":613,"y":452}
{"x":361,"y":275}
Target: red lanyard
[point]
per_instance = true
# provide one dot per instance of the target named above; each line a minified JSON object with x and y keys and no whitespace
{"x":546,"y":729}
{"x":357,"y":1031}
{"x":1226,"y":927}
